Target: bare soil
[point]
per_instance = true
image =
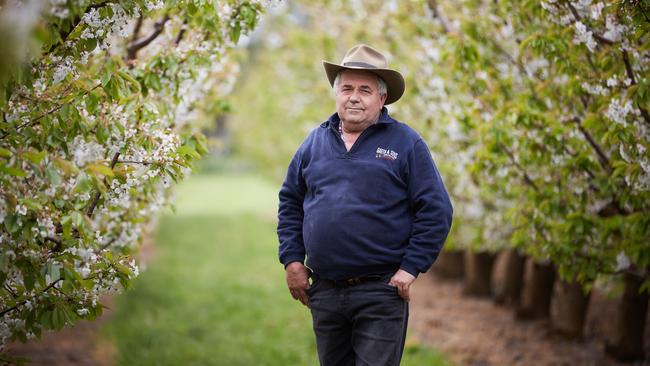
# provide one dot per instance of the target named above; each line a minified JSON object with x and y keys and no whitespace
{"x":476,"y":332}
{"x":76,"y":346}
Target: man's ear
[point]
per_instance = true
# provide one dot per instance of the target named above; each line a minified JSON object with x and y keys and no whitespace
{"x":383,"y":99}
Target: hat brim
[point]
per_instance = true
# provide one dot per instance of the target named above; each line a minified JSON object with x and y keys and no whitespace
{"x":394,"y":80}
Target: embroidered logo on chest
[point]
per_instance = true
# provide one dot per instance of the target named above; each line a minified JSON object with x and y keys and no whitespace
{"x":387,"y":154}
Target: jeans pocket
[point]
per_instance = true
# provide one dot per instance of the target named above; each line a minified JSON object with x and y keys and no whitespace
{"x":313,"y":286}
{"x":388,"y":287}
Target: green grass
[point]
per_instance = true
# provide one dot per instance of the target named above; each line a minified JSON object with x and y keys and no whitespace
{"x":214,"y":293}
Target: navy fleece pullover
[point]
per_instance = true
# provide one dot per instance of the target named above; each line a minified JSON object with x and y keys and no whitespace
{"x":377,"y":208}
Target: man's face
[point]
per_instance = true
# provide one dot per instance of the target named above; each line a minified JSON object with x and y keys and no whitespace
{"x":358,"y":102}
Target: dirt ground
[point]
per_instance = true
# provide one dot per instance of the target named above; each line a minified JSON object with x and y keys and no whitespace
{"x":77,"y":346}
{"x":476,"y":332}
{"x":473,"y":332}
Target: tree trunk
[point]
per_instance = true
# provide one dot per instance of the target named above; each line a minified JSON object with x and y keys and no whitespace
{"x":627,"y":343}
{"x":537,"y":291}
{"x":508,"y":277}
{"x":450,"y":264}
{"x":478,"y":273}
{"x":569,"y":309}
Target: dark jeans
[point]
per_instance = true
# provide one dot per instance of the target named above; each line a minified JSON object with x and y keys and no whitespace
{"x":362,"y":325}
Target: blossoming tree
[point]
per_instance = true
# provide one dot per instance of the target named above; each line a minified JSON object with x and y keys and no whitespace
{"x":563,"y":130}
{"x":102,"y":103}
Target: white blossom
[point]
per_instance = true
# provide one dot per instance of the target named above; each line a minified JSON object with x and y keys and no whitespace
{"x":86,"y":152}
{"x":59,"y":9}
{"x":612,"y":82}
{"x":624,"y":155}
{"x":46,"y":226}
{"x":549,"y":6}
{"x":154,"y":4}
{"x":63,"y":68}
{"x":596,"y":10}
{"x":614,"y":30}
{"x":582,"y":35}
{"x":617,"y":112}
{"x":3,"y":209}
{"x":21,"y":210}
{"x":594,"y":89}
{"x":622,"y":261}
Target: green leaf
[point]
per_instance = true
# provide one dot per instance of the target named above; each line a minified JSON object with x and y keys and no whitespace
{"x":191,"y":8}
{"x":90,"y":44}
{"x":84,"y":183}
{"x":102,"y":133}
{"x":58,"y":318}
{"x":235,"y":33}
{"x":106,"y":78}
{"x":100,"y":169}
{"x":66,"y":166}
{"x":53,"y":176}
{"x":11,"y":223}
{"x":46,"y":319}
{"x":188,"y":150}
{"x":134,"y":83}
{"x":152,"y":81}
{"x":31,"y":204}
{"x":12,"y":171}
{"x":29,"y":280}
{"x":4,"y":153}
{"x":92,"y":101}
{"x":54,"y":270}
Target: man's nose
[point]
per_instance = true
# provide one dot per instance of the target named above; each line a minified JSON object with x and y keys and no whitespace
{"x":354,"y":96}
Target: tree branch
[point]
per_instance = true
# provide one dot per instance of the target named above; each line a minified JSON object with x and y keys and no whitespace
{"x":577,"y":17}
{"x":8,"y":289}
{"x":602,"y":157}
{"x":135,"y":46}
{"x":107,"y":244}
{"x":93,"y":203}
{"x":17,"y":306}
{"x":521,"y":169}
{"x":135,"y":162}
{"x":436,"y":14}
{"x":58,"y":243}
{"x":181,"y":33}
{"x":136,"y":29}
{"x":630,"y":74}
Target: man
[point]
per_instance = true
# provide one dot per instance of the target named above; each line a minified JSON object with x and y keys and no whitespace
{"x":364,"y":203}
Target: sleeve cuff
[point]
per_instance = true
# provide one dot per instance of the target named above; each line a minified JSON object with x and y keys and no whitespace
{"x":290,"y":260}
{"x":410,"y":269}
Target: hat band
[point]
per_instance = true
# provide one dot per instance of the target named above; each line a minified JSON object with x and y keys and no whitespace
{"x":360,"y":64}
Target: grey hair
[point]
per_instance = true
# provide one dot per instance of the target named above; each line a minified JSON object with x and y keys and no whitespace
{"x":381,"y":84}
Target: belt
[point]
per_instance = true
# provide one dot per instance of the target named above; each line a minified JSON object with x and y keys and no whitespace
{"x":354,"y":281}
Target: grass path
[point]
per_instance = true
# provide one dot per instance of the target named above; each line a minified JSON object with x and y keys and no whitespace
{"x":215,"y":292}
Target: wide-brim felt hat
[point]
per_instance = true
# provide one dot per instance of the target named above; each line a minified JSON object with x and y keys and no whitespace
{"x":366,"y":58}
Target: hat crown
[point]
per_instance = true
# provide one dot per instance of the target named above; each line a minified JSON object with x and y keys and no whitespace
{"x":365,"y":56}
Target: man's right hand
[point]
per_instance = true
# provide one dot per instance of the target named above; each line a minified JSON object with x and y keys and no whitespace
{"x":298,"y":281}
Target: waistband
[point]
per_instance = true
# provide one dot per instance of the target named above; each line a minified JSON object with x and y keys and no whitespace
{"x":354,"y":281}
